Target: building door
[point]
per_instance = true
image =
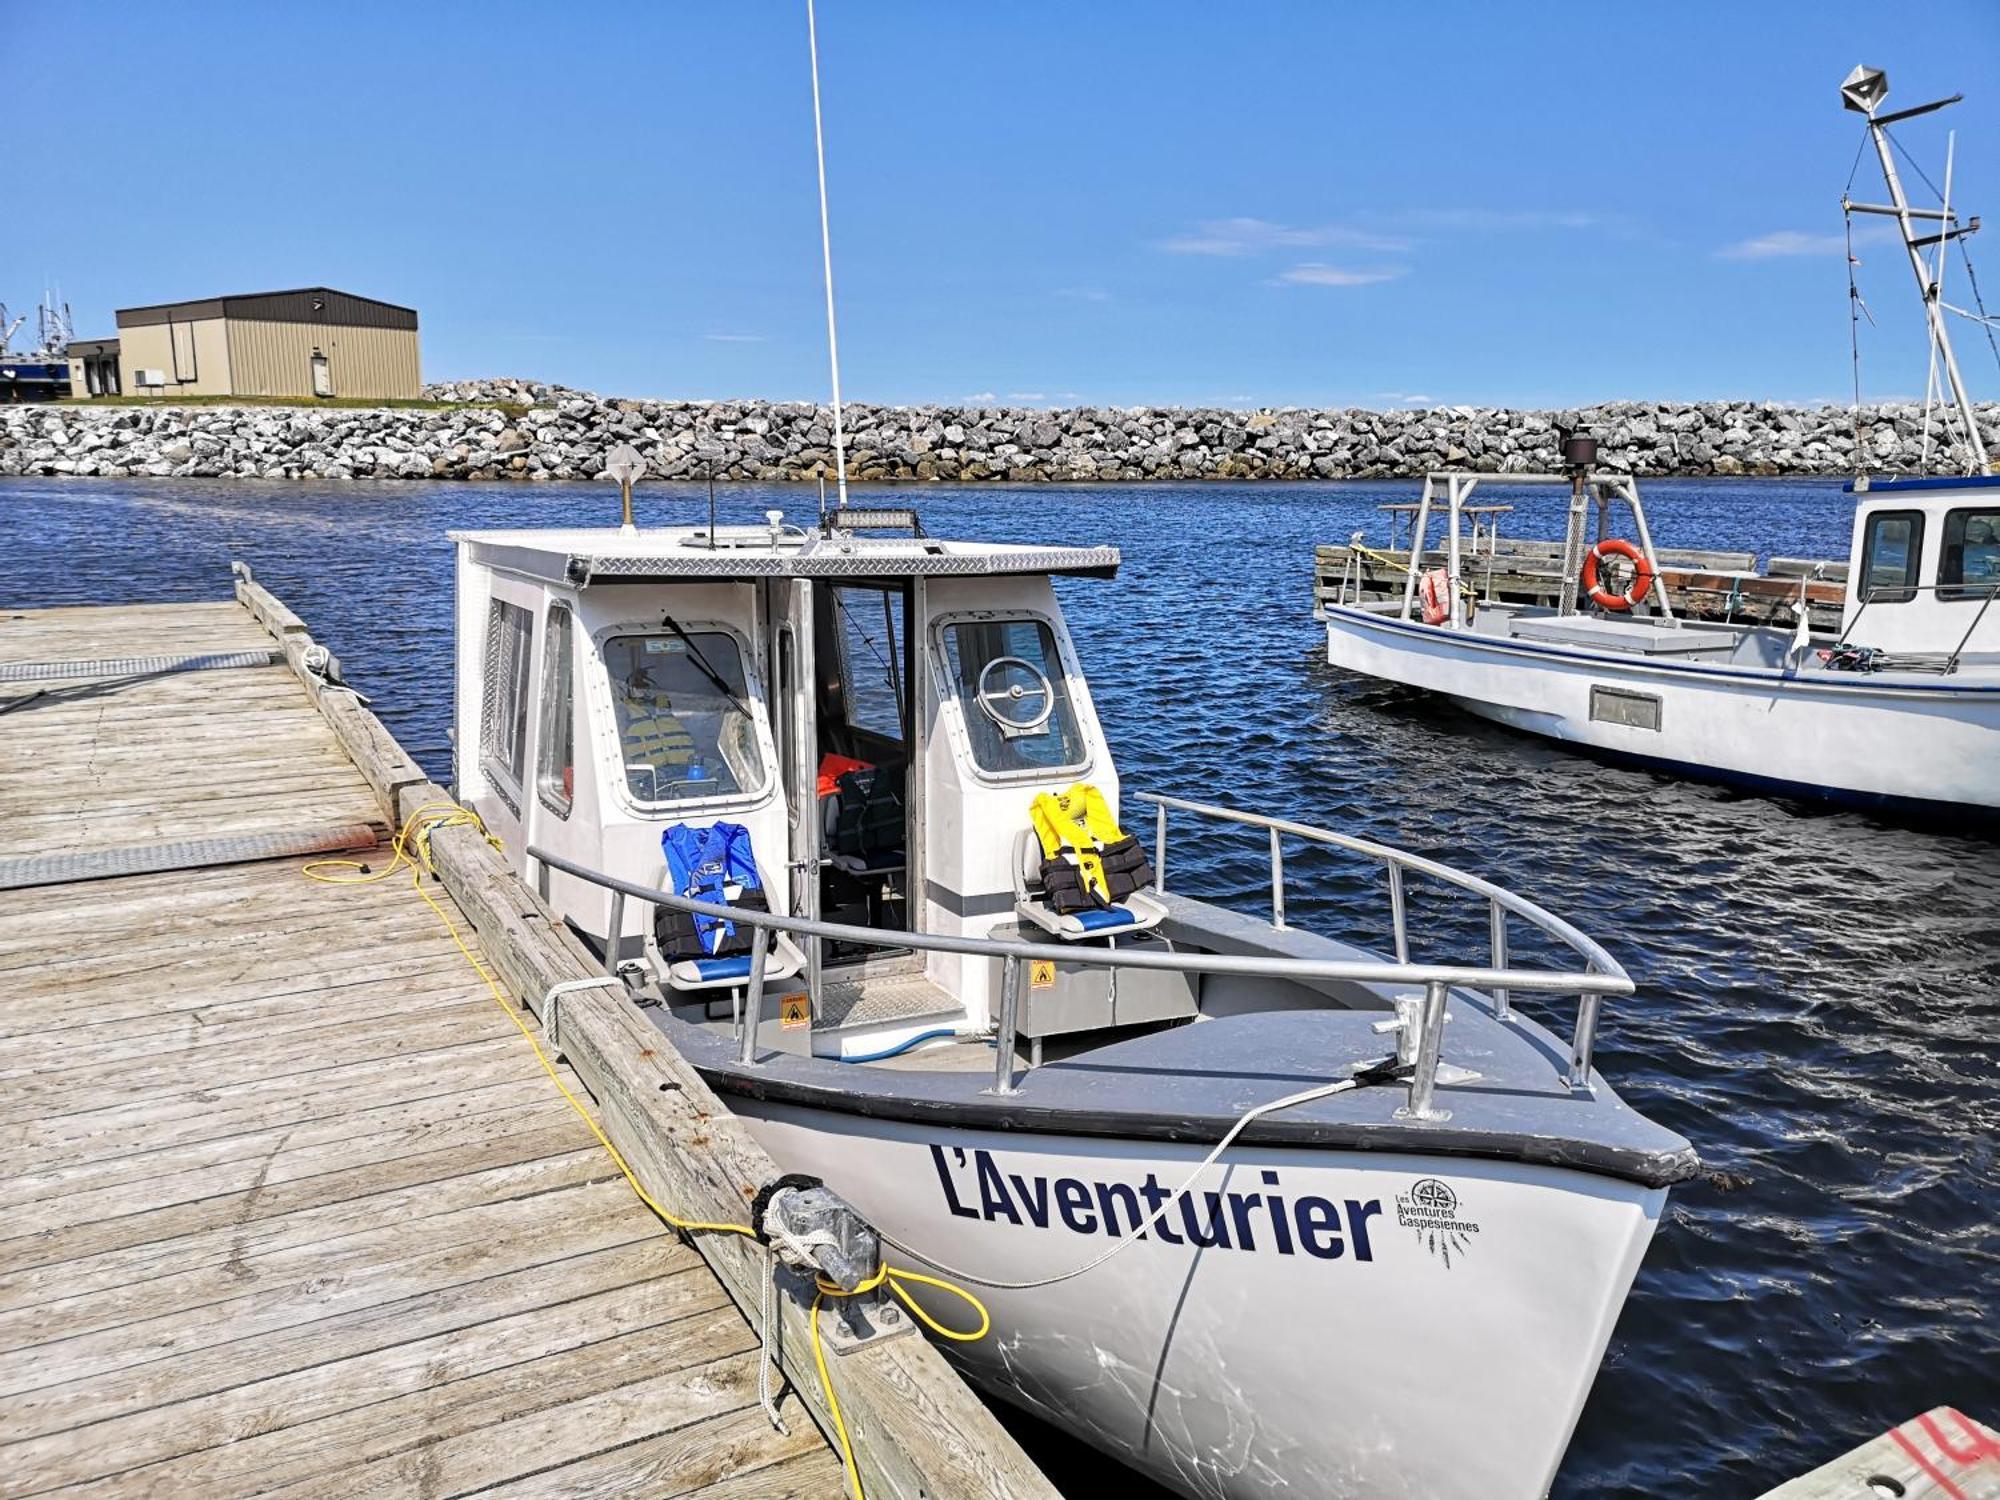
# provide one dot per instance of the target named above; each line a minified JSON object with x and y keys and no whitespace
{"x":322,"y":375}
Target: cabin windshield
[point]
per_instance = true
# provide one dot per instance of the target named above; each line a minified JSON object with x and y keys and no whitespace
{"x":1011,"y":686}
{"x":685,"y":730}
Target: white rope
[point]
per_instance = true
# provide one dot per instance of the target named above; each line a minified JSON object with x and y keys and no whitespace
{"x":552,"y":1001}
{"x":1255,"y":1112}
{"x":767,"y":1396}
{"x":786,"y":1246}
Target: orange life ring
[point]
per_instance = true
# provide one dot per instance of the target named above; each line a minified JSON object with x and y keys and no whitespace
{"x":1635,"y":592}
{"x":1434,"y":592}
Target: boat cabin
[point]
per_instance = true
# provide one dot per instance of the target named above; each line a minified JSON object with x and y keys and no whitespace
{"x":875,"y":710}
{"x":1925,"y":565}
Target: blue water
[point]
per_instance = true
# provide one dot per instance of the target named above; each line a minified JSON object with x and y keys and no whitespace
{"x":1818,"y":1004}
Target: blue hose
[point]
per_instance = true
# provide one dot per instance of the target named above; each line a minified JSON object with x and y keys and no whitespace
{"x":903,"y":1046}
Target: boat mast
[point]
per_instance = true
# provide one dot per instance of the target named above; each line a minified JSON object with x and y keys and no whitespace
{"x":1863,"y":92}
{"x":826,"y":255}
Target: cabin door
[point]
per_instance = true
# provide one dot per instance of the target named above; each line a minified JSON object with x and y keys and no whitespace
{"x":862,"y":697}
{"x":794,"y":728}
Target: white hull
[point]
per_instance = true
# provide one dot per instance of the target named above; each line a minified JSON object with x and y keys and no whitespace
{"x":1852,"y":737}
{"x":1435,"y":1342}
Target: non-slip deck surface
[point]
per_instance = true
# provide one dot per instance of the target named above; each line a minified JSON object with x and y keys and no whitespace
{"x":288,"y":1207}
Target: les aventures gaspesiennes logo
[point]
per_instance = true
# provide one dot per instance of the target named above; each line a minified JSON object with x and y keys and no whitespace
{"x":1431,"y":1209}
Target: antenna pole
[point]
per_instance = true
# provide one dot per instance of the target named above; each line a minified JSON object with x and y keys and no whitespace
{"x":1928,"y":290}
{"x":826,"y":255}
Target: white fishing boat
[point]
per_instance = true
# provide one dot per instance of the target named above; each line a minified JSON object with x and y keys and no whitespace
{"x":1901,"y":710}
{"x":834,"y":800}
{"x":1247,"y":1212}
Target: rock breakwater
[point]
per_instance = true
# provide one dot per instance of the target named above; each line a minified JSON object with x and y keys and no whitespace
{"x":526,"y":430}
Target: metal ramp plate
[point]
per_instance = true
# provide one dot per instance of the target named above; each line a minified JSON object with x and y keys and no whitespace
{"x":870,"y":1002}
{"x":182,"y":854}
{"x":135,"y":666}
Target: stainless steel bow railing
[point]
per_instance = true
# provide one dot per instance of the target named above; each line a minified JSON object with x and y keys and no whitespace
{"x":1602,"y":975}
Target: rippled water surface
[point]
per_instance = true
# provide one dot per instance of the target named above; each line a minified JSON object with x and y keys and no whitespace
{"x":1817,"y":1006}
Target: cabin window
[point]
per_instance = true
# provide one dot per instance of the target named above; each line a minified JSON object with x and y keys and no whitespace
{"x":555,"y":772}
{"x":1890,"y":552}
{"x":503,"y":715}
{"x":871,"y":660}
{"x":1969,"y":558}
{"x":1014,"y":696}
{"x":685,"y":726}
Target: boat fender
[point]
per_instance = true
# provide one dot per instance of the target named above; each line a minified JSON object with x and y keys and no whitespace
{"x":1434,"y":592}
{"x":1635,"y":592}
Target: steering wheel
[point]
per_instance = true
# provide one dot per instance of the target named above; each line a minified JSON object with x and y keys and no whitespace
{"x":1008,"y":706}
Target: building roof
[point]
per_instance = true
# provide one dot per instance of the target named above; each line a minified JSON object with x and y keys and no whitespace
{"x":295,"y":304}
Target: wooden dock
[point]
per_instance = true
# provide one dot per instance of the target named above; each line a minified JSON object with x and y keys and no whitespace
{"x":287,"y":1203}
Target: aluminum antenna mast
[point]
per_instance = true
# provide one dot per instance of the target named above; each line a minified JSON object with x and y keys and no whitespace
{"x":826,"y":255}
{"x":1863,"y":91}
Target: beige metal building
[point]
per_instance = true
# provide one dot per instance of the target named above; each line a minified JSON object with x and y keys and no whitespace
{"x":310,"y":342}
{"x":93,"y":367}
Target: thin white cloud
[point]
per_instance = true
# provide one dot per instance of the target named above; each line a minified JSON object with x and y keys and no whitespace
{"x":981,"y":398}
{"x":1490,"y":220}
{"x":1083,"y":293}
{"x":1027,"y":395}
{"x":734,"y":338}
{"x":1316,"y":273}
{"x":1406,"y":398}
{"x":1783,"y":242}
{"x":1247,"y":236}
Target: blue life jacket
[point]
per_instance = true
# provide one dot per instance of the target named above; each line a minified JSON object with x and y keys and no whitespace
{"x":702,"y":862}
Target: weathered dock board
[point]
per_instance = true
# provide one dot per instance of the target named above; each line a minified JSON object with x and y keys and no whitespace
{"x":287,"y":1204}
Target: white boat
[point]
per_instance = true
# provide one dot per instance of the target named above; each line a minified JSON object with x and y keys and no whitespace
{"x":1902,"y":710}
{"x":1246,"y":1213}
{"x":1400,"y":1288}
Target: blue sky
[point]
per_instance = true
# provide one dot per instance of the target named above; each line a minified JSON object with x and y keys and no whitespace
{"x":1035,"y":203}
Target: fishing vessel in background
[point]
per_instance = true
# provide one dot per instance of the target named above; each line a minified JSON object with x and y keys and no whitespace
{"x":1901,"y":710}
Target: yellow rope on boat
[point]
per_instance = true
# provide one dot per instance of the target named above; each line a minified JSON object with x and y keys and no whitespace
{"x":416,"y":832}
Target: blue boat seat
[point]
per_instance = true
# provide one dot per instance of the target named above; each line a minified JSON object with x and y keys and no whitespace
{"x":783,"y":961}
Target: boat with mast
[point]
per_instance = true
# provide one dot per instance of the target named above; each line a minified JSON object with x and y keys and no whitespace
{"x":834,"y":801}
{"x":1901,"y":710}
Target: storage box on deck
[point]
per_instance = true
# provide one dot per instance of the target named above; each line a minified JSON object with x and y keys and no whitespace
{"x":1089,"y":997}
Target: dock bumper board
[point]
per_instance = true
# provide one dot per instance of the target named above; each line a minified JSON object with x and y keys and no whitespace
{"x":183,"y":854}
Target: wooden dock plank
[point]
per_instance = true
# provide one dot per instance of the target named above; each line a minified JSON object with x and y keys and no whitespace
{"x":289,"y":1203}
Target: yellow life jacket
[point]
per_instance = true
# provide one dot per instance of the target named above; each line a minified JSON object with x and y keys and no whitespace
{"x":1077,"y":831}
{"x":652,"y":735}
{"x":1058,"y":820}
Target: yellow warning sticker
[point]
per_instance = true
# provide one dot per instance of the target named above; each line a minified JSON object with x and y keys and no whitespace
{"x":1041,"y":973}
{"x":794,"y":1011}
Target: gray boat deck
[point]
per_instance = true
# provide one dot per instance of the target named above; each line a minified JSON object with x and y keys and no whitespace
{"x":287,"y":1204}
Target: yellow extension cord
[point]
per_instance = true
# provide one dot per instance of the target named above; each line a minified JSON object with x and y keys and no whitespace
{"x":417,"y":830}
